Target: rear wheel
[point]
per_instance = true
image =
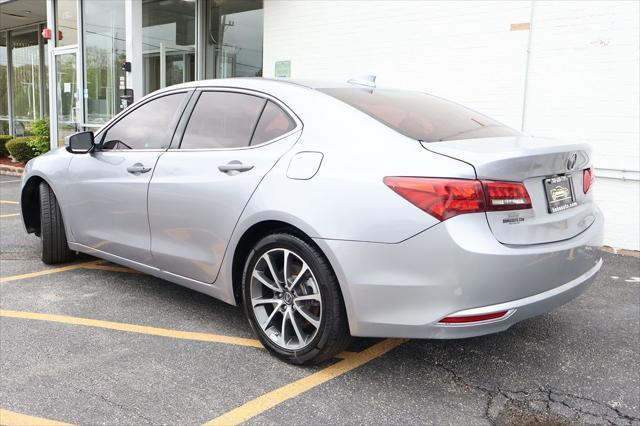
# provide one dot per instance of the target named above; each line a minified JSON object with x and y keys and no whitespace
{"x":52,"y":234}
{"x":293,"y":301}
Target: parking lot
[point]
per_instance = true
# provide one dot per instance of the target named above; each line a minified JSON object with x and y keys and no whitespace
{"x":94,"y":343}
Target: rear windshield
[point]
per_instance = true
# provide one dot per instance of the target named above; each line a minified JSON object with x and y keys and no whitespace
{"x":421,"y":116}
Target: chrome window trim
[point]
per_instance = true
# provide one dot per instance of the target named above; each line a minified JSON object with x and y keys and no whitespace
{"x":239,"y":148}
{"x":106,"y":151}
{"x":298,"y":123}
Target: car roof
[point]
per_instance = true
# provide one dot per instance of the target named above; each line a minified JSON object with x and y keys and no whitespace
{"x":253,"y":82}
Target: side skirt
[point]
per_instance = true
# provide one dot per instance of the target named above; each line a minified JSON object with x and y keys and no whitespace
{"x":213,"y":290}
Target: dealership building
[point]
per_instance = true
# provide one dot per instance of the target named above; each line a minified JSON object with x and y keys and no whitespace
{"x":569,"y":70}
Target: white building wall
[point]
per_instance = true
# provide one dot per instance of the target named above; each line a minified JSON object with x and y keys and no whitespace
{"x":582,"y":80}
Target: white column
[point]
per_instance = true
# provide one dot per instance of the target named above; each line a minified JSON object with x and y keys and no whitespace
{"x":53,"y":92}
{"x":163,"y":66}
{"x":133,"y":24}
{"x":201,"y":31}
{"x":80,"y":80}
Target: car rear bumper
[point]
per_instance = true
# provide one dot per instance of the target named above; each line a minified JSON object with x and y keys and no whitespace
{"x":458,"y":268}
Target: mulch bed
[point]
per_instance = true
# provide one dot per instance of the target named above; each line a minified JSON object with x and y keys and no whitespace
{"x":7,"y":162}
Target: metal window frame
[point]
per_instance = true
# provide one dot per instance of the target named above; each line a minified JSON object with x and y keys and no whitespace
{"x":41,"y":69}
{"x":10,"y":82}
{"x":54,"y":51}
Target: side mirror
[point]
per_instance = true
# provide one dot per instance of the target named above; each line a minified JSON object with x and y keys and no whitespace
{"x":80,"y":143}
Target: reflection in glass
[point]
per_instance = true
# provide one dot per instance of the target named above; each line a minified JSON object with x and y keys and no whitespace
{"x":67,"y":21}
{"x":234,"y":38}
{"x":4,"y":97}
{"x":25,"y":55}
{"x":67,"y":95}
{"x":168,"y":42}
{"x":104,"y":40}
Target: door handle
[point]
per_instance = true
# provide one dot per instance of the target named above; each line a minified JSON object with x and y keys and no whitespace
{"x":234,"y":166}
{"x":138,"y":168}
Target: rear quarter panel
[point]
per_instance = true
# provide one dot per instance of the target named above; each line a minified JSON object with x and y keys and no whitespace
{"x":346,"y":199}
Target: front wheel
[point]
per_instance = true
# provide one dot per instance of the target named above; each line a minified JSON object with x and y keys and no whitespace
{"x":52,"y":234}
{"x":292,"y":300}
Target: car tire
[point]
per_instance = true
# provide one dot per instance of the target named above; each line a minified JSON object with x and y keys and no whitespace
{"x":317,"y":282}
{"x":52,"y":234}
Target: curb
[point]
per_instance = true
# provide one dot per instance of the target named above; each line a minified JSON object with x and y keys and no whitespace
{"x":10,"y":170}
{"x":621,"y":252}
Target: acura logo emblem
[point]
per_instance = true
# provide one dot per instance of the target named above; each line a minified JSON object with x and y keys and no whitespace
{"x":571,"y":161}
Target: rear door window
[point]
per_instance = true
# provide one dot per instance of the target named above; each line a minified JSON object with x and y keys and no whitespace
{"x":222,"y":120}
{"x":273,"y":123}
{"x":421,"y":116}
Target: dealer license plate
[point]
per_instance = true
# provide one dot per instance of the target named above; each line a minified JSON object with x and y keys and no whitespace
{"x":560,"y":195}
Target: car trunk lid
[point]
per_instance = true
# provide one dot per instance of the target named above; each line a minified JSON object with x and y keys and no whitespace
{"x":550,"y":170}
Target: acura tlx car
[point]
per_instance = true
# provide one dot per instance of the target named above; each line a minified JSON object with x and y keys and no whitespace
{"x":327,"y":210}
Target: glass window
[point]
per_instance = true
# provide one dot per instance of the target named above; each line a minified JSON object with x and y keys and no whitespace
{"x":4,"y":98}
{"x":149,"y":126}
{"x":25,"y":54}
{"x":222,"y":120}
{"x":104,"y":40}
{"x":66,"y":22}
{"x":421,"y":116}
{"x":66,"y":95}
{"x":233,"y":46}
{"x":273,"y":122}
{"x":168,"y":42}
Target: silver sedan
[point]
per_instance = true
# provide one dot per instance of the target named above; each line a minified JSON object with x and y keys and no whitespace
{"x":326,"y":210}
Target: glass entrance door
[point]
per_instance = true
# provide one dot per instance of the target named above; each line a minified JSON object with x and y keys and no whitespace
{"x":67,"y":97}
{"x":233,"y":46}
{"x":168,"y":42}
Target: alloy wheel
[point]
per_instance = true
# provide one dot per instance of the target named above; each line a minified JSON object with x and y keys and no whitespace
{"x":285,"y":298}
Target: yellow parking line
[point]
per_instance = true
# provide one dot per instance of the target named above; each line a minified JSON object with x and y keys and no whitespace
{"x":132,"y":328}
{"x":10,"y":418}
{"x":48,"y":271}
{"x":9,"y":215}
{"x":275,"y":397}
{"x":9,"y":202}
{"x":345,"y":354}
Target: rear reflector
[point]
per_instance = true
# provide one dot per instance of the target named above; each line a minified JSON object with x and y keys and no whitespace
{"x":473,"y":318}
{"x":587,"y":180}
{"x":506,"y":196}
{"x":446,"y":198}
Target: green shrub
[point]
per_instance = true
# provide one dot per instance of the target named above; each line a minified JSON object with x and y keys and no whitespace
{"x":3,"y":140}
{"x":20,"y":149}
{"x":40,"y":139}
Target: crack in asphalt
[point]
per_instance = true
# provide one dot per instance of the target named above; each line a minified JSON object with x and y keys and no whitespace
{"x":115,"y":404}
{"x":609,"y":414}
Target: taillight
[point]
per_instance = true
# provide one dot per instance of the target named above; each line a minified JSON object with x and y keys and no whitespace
{"x":446,"y":198}
{"x":587,"y":179}
{"x":441,"y":198}
{"x":506,"y":196}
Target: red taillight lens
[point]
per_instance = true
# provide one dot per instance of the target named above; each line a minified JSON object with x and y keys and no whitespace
{"x":441,"y":198}
{"x":446,"y":198}
{"x":506,"y":196}
{"x":587,"y":180}
{"x":473,"y":318}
